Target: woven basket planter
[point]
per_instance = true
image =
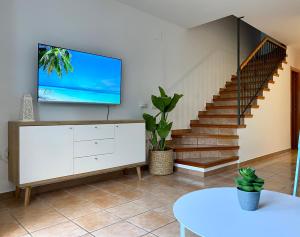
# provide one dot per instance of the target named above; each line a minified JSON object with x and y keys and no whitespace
{"x":161,"y":162}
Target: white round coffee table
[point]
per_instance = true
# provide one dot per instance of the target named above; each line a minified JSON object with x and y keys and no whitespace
{"x":216,"y":212}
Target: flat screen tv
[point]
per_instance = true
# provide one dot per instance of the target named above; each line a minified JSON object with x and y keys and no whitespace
{"x":70,"y":76}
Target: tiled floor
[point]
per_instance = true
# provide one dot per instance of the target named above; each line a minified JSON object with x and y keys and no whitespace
{"x":124,"y":207}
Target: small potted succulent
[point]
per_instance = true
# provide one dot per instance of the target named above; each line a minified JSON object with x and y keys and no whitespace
{"x":161,"y":157}
{"x":249,"y":187}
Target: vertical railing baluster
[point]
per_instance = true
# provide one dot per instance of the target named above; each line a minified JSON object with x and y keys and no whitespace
{"x":238,"y":72}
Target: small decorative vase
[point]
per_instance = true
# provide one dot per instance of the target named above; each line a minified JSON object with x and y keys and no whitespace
{"x":161,"y":162}
{"x":27,"y":108}
{"x":248,"y":200}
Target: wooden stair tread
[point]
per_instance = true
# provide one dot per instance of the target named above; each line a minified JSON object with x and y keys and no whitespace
{"x":189,"y":148}
{"x":218,"y":98}
{"x":207,"y":162}
{"x":229,"y":107}
{"x":217,"y":125}
{"x":234,"y":82}
{"x":225,"y":91}
{"x":183,"y":135}
{"x":223,"y":116}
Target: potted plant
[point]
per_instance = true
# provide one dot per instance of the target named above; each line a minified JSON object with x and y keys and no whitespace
{"x":161,"y":157}
{"x":249,"y":187}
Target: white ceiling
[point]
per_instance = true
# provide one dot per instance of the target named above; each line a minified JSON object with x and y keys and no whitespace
{"x":277,"y":18}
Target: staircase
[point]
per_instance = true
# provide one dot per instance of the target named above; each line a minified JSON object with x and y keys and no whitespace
{"x":211,"y":142}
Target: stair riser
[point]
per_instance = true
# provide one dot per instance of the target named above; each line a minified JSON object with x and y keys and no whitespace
{"x":205,"y":154}
{"x":219,"y":131}
{"x":224,"y":111}
{"x":230,"y":121}
{"x":230,"y":102}
{"x":205,"y":141}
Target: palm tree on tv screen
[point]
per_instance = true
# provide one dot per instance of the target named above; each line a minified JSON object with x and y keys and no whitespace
{"x":55,"y":59}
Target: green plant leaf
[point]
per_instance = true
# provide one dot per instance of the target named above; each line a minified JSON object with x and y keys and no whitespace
{"x":259,"y":180}
{"x":241,"y":181}
{"x":157,"y":103}
{"x":153,"y":140}
{"x":173,"y":102}
{"x":164,"y":128}
{"x":247,"y":188}
{"x":150,"y":122}
{"x":257,"y":188}
{"x":162,"y":92}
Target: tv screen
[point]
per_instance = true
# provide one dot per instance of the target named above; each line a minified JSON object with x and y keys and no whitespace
{"x":70,"y":76}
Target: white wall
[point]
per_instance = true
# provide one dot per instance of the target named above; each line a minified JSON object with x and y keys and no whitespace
{"x":154,"y":51}
{"x":269,"y":129}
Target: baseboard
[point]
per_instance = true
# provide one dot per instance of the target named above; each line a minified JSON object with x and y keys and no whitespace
{"x":269,"y":156}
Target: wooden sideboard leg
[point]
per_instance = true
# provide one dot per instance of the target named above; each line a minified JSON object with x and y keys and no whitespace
{"x":27,"y":196}
{"x":17,"y":192}
{"x":139,"y":172}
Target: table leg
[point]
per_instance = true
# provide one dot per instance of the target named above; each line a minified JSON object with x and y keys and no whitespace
{"x":139,"y":172}
{"x":182,"y":230}
{"x":27,"y":196}
{"x":297,"y":173}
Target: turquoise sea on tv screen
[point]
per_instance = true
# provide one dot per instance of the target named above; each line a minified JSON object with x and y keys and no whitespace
{"x":94,"y":79}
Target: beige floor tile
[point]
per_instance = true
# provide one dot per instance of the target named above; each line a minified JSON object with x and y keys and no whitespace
{"x":74,"y":211}
{"x":109,"y":201}
{"x":96,"y":221}
{"x":166,"y":210}
{"x":37,"y":220}
{"x":151,"y":220}
{"x":9,"y":203}
{"x":122,"y":229}
{"x":127,"y":210}
{"x":9,"y":226}
{"x":36,"y":206}
{"x":131,"y":195}
{"x":67,"y":229}
{"x":149,"y":202}
{"x":80,"y":190}
{"x":115,"y":188}
{"x":66,"y":201}
{"x":129,"y":198}
{"x":92,"y":195}
{"x":172,"y":230}
{"x":54,"y":195}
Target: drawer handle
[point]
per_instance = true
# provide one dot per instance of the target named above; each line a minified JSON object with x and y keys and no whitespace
{"x":96,"y":158}
{"x":96,"y":143}
{"x":70,"y":128}
{"x":96,"y":126}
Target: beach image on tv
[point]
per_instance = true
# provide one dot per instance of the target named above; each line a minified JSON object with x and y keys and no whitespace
{"x":77,"y":77}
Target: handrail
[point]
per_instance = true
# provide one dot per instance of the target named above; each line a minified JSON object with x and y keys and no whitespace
{"x":259,"y":46}
{"x":255,"y":72}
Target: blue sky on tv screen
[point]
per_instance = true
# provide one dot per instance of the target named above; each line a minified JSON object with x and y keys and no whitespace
{"x":91,"y":73}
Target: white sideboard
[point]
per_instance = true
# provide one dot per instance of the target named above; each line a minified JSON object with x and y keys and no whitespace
{"x":47,"y":152}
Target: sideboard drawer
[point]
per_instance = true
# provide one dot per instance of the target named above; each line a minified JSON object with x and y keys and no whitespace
{"x":92,"y":132}
{"x":94,"y":147}
{"x":94,"y":163}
